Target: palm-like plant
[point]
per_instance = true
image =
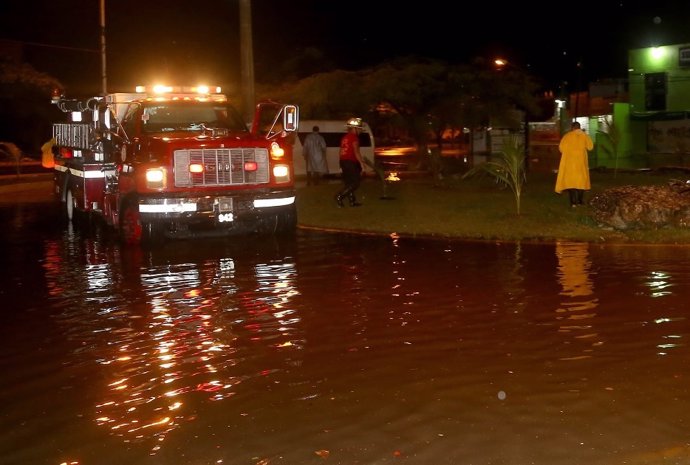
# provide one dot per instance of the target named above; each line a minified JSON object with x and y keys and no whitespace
{"x":506,"y":167}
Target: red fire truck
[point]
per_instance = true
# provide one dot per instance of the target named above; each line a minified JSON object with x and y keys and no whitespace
{"x":176,"y":163}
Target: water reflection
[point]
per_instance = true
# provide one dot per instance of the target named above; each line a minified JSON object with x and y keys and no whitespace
{"x":346,"y":348}
{"x":176,"y":337}
{"x":660,"y":284}
{"x":576,"y":312}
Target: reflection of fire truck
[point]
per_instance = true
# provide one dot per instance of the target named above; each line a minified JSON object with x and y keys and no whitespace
{"x":177,"y":163}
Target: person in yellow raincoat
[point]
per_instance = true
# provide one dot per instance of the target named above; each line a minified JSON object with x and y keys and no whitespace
{"x":47,"y":158}
{"x":573,"y":170}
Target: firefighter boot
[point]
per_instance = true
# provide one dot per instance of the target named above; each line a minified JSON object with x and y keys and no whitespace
{"x":353,"y":200}
{"x":339,"y":199}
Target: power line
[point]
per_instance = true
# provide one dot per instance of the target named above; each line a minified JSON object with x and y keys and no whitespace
{"x":36,"y":44}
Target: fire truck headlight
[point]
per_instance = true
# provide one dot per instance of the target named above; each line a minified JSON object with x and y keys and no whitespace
{"x":155,"y":178}
{"x":281,"y":173}
{"x":277,"y":152}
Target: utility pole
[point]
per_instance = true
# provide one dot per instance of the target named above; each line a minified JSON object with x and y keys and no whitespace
{"x":104,"y":84}
{"x":577,"y":90}
{"x":247,"y":59}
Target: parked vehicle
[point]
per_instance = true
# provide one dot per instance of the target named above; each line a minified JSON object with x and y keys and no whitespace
{"x":176,"y":163}
{"x":332,"y":131}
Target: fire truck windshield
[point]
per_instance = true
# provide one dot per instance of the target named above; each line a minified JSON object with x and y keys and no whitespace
{"x":171,"y":116}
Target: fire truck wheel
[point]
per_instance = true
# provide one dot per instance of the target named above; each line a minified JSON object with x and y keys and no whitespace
{"x":69,"y":206}
{"x":73,"y":214}
{"x":290,"y":225}
{"x":131,"y":231}
{"x":286,"y":222}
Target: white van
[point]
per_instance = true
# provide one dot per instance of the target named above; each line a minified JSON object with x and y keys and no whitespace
{"x":332,"y":131}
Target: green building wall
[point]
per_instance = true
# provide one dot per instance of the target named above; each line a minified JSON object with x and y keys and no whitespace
{"x":674,"y":62}
{"x":615,"y":151}
{"x":663,"y":59}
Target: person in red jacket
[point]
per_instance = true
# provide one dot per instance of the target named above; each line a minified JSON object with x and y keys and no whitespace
{"x":350,"y":163}
{"x":573,"y":170}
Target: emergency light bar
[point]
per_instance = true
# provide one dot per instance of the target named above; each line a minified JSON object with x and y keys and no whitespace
{"x":160,"y":89}
{"x":199,"y":93}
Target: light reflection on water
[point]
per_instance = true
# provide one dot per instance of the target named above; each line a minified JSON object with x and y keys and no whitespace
{"x":350,"y":349}
{"x":578,"y":308}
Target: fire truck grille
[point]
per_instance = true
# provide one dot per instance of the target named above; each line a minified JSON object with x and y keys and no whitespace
{"x":221,"y":167}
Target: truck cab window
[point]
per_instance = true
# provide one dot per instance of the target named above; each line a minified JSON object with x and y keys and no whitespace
{"x":182,"y":116}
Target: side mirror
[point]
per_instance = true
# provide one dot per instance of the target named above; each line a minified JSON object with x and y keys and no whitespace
{"x":290,"y":118}
{"x":275,"y":120}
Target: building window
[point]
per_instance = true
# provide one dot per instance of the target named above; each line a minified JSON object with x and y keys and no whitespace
{"x":684,"y":57}
{"x":655,"y":91}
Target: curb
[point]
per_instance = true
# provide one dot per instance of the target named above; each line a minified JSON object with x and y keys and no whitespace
{"x":26,"y":187}
{"x":26,"y":182}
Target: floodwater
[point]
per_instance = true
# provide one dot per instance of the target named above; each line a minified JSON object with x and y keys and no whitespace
{"x":338,"y":349}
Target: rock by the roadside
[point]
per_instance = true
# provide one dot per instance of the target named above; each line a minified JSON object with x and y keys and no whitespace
{"x":642,"y":207}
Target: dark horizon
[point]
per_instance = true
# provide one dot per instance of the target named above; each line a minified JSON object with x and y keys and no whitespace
{"x":164,"y":40}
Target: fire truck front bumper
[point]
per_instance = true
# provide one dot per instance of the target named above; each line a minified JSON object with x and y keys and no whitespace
{"x":221,"y":208}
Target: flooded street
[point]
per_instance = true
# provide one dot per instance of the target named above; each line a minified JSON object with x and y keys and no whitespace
{"x":339,"y":349}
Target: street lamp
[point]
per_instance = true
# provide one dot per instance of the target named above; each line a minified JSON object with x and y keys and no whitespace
{"x":502,"y":64}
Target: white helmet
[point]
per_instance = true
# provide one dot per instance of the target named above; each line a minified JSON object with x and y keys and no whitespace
{"x":355,"y":123}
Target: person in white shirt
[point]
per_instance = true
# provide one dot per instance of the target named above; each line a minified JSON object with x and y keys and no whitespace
{"x":315,"y":156}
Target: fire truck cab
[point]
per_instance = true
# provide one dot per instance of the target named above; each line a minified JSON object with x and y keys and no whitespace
{"x":176,"y":163}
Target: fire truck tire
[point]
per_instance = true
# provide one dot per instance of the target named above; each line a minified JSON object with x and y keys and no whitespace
{"x":131,"y":230}
{"x":286,"y":222}
{"x":69,"y":206}
{"x":291,"y":222}
{"x":73,"y":214}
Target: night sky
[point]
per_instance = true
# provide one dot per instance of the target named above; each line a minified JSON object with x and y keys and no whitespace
{"x":150,"y":40}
